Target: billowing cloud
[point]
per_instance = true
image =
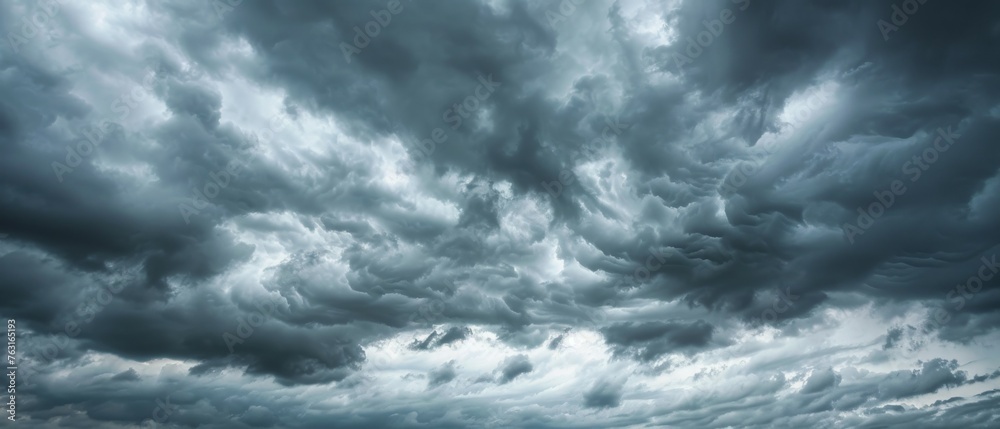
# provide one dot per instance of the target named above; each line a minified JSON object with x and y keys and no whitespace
{"x":604,"y":394}
{"x":513,"y":367}
{"x":724,"y":213}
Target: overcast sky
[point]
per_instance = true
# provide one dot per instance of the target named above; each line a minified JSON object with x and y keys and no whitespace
{"x":501,"y":213}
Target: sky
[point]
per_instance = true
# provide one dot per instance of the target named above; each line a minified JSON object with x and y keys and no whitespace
{"x":500,"y":213}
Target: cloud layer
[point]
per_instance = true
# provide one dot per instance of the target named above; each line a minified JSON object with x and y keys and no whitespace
{"x":726,"y":213}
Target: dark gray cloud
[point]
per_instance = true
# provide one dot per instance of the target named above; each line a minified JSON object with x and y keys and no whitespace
{"x":514,"y":367}
{"x":604,"y":394}
{"x":933,"y":375}
{"x":892,"y":337}
{"x":650,"y":340}
{"x":129,"y":375}
{"x":434,"y":339}
{"x":760,"y":213}
{"x":555,"y":342}
{"x":821,"y":380}
{"x":442,"y":375}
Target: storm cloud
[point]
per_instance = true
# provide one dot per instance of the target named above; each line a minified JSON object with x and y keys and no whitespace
{"x":552,"y":214}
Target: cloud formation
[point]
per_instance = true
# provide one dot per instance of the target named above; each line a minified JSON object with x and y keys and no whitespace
{"x":501,"y":213}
